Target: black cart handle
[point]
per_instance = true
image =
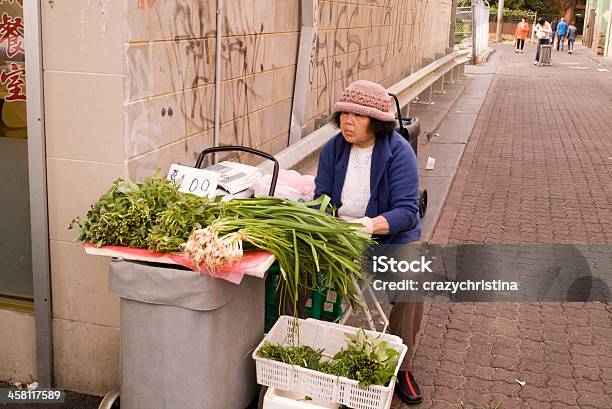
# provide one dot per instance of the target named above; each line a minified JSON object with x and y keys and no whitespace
{"x":399,"y":112}
{"x":254,"y":151}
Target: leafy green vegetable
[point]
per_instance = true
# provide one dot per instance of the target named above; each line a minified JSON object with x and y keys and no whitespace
{"x":152,"y":214}
{"x":368,"y":361}
{"x":371,"y":362}
{"x":303,"y":356}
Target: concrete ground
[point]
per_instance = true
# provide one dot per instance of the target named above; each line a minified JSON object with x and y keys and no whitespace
{"x":535,"y":168}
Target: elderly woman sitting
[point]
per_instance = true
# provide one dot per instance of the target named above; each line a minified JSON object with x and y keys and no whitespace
{"x":371,"y":174}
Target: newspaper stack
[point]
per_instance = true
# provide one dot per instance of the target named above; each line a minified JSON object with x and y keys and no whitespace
{"x":235,"y":177}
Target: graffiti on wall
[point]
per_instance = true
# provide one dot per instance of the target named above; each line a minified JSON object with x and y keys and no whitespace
{"x":177,"y":76}
{"x":171,"y":57}
{"x":383,"y":43}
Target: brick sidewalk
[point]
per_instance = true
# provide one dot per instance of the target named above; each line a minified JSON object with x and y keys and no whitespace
{"x":537,"y":170}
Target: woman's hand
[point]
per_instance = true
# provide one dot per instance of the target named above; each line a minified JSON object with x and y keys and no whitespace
{"x":376,"y":225}
{"x":381,"y":225}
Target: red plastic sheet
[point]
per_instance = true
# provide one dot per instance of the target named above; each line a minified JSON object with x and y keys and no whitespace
{"x":254,"y":263}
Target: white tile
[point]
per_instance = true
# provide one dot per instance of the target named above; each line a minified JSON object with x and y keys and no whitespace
{"x":154,"y":123}
{"x":170,"y":20}
{"x":73,"y":186}
{"x":147,"y":165}
{"x":84,"y":116}
{"x":80,"y":286}
{"x":162,"y":67}
{"x":83,"y":36}
{"x":86,"y":357}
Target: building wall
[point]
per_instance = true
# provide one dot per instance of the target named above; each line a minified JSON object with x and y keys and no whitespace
{"x":18,"y":353}
{"x":600,"y":22}
{"x":129,"y":89}
{"x":83,"y":63}
{"x":170,"y":58}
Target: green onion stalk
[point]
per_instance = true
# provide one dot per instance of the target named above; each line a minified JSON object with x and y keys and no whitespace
{"x":307,"y":241}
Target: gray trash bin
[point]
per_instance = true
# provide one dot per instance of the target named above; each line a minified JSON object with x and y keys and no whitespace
{"x":186,"y":338}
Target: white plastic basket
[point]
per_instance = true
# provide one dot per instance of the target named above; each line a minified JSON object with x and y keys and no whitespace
{"x":317,"y":385}
{"x":278,"y":399}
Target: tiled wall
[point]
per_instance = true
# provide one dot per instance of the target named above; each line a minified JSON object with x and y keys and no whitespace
{"x":169,"y":101}
{"x":18,"y":352}
{"x":129,"y":89}
{"x":83,"y":89}
{"x":381,"y":41}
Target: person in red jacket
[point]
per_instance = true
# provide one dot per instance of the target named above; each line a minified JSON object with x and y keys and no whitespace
{"x":522,"y":31}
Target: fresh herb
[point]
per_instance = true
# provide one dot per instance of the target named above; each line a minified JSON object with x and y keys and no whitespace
{"x":152,"y":214}
{"x":368,"y":361}
{"x":303,"y":356}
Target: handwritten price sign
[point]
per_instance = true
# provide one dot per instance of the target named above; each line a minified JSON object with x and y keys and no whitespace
{"x":200,"y":182}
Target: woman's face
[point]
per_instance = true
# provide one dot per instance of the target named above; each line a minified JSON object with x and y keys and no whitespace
{"x":355,"y":129}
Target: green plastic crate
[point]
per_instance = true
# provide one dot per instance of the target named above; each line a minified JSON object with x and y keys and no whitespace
{"x":323,"y":305}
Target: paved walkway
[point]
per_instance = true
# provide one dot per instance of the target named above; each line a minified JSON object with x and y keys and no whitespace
{"x":537,"y":170}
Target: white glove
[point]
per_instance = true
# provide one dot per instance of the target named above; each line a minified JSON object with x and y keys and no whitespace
{"x":368,"y":225}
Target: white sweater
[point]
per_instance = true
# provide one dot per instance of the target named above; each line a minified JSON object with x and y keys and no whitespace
{"x":356,"y":190}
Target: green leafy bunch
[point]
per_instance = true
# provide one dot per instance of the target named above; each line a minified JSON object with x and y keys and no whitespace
{"x":308,"y":242}
{"x":366,"y":360}
{"x":150,"y":214}
{"x":303,"y":356}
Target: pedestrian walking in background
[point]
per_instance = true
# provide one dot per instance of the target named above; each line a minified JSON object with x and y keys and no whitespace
{"x":543,"y":32}
{"x":553,"y":35}
{"x":572,"y":32}
{"x":561,"y":34}
{"x":522,"y":30}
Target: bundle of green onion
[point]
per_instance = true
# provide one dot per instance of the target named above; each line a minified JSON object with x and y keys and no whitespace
{"x":307,"y":241}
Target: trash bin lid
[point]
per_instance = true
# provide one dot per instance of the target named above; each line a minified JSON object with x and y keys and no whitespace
{"x":168,"y":285}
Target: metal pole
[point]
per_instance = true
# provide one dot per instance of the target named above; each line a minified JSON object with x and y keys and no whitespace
{"x":301,"y":88}
{"x":500,"y":21}
{"x":535,"y":21}
{"x":217,"y":79}
{"x":608,"y":34}
{"x":453,"y":25}
{"x":38,"y":192}
{"x":474,"y":37}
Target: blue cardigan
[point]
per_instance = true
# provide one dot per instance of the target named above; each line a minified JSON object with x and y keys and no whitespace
{"x":394,"y":183}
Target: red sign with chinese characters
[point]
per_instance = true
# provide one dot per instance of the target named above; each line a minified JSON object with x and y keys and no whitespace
{"x":11,"y":34}
{"x":14,"y":80}
{"x":12,"y":54}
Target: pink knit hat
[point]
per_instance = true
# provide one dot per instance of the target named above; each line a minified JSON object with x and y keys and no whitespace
{"x":366,"y":98}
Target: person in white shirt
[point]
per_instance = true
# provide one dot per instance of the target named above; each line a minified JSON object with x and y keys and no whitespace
{"x":543,"y":31}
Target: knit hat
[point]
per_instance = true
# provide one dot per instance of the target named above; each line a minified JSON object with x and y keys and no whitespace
{"x":366,"y":98}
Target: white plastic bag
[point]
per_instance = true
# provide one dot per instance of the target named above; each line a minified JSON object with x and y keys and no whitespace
{"x":290,"y":185}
